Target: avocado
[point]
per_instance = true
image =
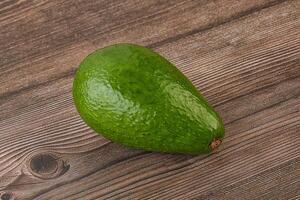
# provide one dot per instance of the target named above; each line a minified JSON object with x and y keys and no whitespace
{"x":133,"y":96}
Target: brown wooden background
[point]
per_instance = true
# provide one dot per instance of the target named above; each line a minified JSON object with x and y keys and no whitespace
{"x":243,"y":55}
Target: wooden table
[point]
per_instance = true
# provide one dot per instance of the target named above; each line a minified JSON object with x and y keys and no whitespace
{"x":244,"y":56}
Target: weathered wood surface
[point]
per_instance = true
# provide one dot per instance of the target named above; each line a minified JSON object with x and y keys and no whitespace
{"x":244,"y":56}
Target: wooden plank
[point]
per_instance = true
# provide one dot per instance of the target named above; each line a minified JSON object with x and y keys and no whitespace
{"x":280,"y":182}
{"x":47,"y":41}
{"x":247,"y":67}
{"x":247,"y":151}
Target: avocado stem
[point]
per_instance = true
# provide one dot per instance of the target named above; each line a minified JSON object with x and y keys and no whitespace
{"x":215,"y":143}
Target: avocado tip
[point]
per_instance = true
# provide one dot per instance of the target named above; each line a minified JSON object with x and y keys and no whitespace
{"x":215,"y":143}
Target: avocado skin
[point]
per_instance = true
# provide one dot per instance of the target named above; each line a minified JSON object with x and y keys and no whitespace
{"x":133,"y":96}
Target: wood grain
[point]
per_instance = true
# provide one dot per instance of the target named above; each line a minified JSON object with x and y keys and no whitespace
{"x":244,"y":57}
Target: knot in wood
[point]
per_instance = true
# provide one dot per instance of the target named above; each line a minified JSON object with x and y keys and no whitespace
{"x":47,"y":165}
{"x":7,"y":196}
{"x":44,"y":164}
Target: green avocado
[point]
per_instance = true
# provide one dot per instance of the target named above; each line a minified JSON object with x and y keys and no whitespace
{"x":133,"y":96}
